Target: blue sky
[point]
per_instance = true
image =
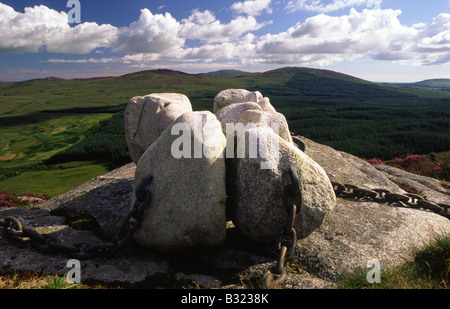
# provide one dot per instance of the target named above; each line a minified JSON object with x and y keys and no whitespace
{"x":378,"y":40}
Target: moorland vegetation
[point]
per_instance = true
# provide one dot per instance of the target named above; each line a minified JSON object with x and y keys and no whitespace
{"x":57,"y":134}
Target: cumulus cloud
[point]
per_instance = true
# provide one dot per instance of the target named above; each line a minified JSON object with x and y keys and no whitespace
{"x":227,"y":50}
{"x":201,"y":38}
{"x":204,"y":26}
{"x":333,"y":38}
{"x":433,"y":42}
{"x":324,"y":39}
{"x":252,"y":7}
{"x":40,"y":28}
{"x":152,"y":33}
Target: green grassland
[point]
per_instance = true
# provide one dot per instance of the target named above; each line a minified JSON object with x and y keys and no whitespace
{"x":55,"y":180}
{"x":56,"y":134}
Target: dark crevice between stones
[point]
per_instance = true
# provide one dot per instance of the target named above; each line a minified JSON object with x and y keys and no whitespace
{"x":78,"y":221}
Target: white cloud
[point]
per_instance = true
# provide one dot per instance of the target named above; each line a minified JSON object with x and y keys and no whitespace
{"x":324,"y":39}
{"x":252,"y":7}
{"x":227,"y":50}
{"x":205,"y":53}
{"x":433,"y":42}
{"x":335,"y":5}
{"x":157,"y":33}
{"x":40,"y":27}
{"x":204,"y":26}
{"x":151,"y":33}
{"x":419,"y":25}
{"x":318,"y":41}
{"x":161,"y":39}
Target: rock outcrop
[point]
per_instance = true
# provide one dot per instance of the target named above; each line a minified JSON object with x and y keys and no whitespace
{"x":187,"y":209}
{"x":256,"y":186}
{"x":147,"y":117}
{"x":356,"y":231}
{"x":240,"y":105}
{"x":197,"y":186}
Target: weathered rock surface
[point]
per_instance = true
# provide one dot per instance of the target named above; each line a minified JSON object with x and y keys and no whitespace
{"x":147,"y":117}
{"x":353,"y":233}
{"x":105,"y":198}
{"x":257,"y":188}
{"x":347,"y":169}
{"x":248,"y":112}
{"x":132,"y":265}
{"x":188,"y":193}
{"x":245,"y":113}
{"x":357,"y":232}
{"x":431,"y":189}
{"x":232,"y":96}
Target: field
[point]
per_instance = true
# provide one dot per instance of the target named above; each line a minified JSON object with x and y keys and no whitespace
{"x":56,"y":134}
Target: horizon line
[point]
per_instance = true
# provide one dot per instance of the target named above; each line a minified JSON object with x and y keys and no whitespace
{"x":80,"y":76}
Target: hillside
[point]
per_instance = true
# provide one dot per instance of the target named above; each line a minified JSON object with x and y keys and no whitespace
{"x":436,"y":84}
{"x":225,"y":73}
{"x":43,"y":119}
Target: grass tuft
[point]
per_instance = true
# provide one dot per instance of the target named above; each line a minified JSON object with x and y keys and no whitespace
{"x":429,"y":270}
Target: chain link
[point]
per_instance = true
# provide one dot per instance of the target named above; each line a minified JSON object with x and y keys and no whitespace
{"x":287,"y":237}
{"x":50,"y":244}
{"x":408,"y":200}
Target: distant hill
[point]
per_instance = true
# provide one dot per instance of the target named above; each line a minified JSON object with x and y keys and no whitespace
{"x":277,"y":73}
{"x":42,"y":117}
{"x":225,"y":73}
{"x":437,"y":84}
{"x":47,"y":79}
{"x":282,"y":74}
{"x":149,"y":74}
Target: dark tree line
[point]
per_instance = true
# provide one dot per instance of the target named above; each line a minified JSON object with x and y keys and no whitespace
{"x":105,"y":143}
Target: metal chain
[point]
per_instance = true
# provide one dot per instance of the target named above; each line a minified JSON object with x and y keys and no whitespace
{"x":384,"y":196}
{"x":287,"y":237}
{"x":408,"y":200}
{"x":50,"y":244}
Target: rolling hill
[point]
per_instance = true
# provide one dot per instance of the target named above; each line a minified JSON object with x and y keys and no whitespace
{"x":44,"y":120}
{"x":436,"y":84}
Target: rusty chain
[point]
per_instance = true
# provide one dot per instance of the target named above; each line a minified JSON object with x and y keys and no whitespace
{"x":382,"y":195}
{"x":287,"y":237}
{"x":408,"y":200}
{"x":51,"y":244}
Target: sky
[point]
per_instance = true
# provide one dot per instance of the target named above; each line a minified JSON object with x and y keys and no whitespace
{"x":377,"y":40}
